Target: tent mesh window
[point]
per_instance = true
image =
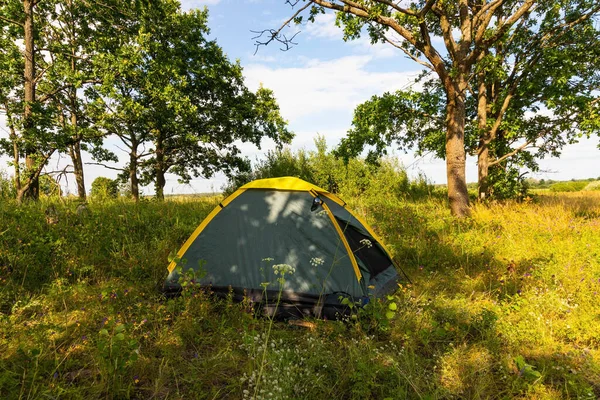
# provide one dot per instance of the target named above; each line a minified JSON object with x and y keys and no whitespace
{"x":373,"y":257}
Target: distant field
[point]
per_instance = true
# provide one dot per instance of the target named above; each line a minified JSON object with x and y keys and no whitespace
{"x":503,"y":305}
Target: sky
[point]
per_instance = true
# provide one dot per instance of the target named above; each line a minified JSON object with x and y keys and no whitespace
{"x":318,"y":83}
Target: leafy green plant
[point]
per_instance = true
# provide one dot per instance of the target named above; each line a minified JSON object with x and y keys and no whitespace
{"x":117,"y":350}
{"x":105,"y":188}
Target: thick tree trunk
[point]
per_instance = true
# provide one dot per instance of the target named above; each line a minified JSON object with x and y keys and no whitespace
{"x":483,"y":148}
{"x":455,"y":153}
{"x":133,"y":178}
{"x":160,"y":184}
{"x":33,"y":190}
{"x":75,"y":153}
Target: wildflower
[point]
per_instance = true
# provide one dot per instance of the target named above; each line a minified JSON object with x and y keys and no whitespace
{"x":136,"y":379}
{"x":267,"y":259}
{"x":316,"y":261}
{"x":366,"y":242}
{"x":283,"y":269}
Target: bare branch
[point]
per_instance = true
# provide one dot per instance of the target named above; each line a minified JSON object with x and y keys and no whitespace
{"x":400,"y":9}
{"x":106,"y":166}
{"x":405,"y":50}
{"x":276,"y":34}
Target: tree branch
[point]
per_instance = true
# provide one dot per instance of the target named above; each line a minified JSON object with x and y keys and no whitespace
{"x":106,"y":166}
{"x":512,"y":153}
{"x":10,"y":21}
{"x":276,"y":34}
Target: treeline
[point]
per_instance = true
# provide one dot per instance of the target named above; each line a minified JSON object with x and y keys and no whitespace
{"x":73,"y":73}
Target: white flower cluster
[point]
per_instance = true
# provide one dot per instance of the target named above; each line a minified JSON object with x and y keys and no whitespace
{"x":316,"y":261}
{"x":283,"y":269}
{"x":367,"y":243}
{"x":285,"y":375}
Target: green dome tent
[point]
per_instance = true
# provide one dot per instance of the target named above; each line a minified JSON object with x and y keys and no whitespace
{"x":287,"y":221}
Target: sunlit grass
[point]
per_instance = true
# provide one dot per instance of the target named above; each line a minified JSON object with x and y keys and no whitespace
{"x":502,"y":305}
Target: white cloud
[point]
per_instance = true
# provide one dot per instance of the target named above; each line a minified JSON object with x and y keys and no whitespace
{"x":324,"y":28}
{"x":324,"y":86}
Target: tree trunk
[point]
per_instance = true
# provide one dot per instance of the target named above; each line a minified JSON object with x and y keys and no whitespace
{"x":75,"y":148}
{"x":133,"y":178}
{"x":159,"y":184}
{"x":455,"y":152}
{"x":75,"y":153}
{"x":483,"y":148}
{"x":33,"y":190}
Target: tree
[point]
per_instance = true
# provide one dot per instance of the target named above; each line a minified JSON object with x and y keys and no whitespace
{"x":550,"y":67}
{"x":468,"y":29}
{"x":30,"y":133}
{"x":180,"y":97}
{"x":78,"y":35}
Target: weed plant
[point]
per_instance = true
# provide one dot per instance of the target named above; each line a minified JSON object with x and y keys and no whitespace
{"x":502,"y":305}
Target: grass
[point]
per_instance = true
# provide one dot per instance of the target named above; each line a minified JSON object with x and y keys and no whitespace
{"x":503,"y":305}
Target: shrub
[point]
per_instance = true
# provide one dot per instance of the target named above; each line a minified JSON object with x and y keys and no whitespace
{"x":104,"y":188}
{"x":354,"y":178}
{"x":595,"y":185}
{"x":7,"y":187}
{"x":572,"y":186}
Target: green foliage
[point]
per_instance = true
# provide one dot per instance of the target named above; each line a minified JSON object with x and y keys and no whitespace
{"x":105,"y":188}
{"x":7,"y":187}
{"x":503,"y":305}
{"x":556,"y":49}
{"x":355,"y":177}
{"x":569,"y":186}
{"x":49,"y":186}
{"x":190,"y":100}
{"x":507,"y":183}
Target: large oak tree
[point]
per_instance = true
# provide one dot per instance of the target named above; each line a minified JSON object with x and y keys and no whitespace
{"x":469,"y":29}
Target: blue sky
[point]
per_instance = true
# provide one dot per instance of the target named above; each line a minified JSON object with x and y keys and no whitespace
{"x":319,"y":82}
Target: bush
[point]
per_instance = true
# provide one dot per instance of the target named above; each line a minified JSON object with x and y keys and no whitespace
{"x":321,"y":167}
{"x":7,"y":187}
{"x":104,"y":188}
{"x":595,"y":185}
{"x":572,"y":186}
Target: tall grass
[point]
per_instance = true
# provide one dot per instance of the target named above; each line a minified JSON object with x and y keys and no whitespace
{"x":503,"y":305}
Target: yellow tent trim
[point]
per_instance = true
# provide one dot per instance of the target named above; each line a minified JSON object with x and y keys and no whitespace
{"x":200,"y":228}
{"x":343,"y":239}
{"x":284,"y":183}
{"x":232,"y":197}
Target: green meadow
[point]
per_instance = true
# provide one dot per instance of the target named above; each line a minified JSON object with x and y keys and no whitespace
{"x":504,"y":304}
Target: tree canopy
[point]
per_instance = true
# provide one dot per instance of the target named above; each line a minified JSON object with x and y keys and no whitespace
{"x":143,"y":71}
{"x":470,"y":33}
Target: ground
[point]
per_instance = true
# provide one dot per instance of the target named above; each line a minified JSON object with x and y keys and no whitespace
{"x":501,"y":305}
